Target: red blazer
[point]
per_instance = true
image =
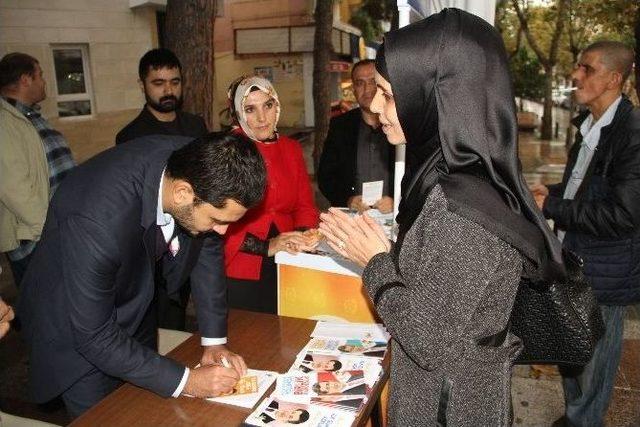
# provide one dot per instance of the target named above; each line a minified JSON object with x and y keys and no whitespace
{"x":288,"y":203}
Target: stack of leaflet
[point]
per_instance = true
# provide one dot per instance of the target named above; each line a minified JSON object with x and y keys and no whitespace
{"x":331,"y":379}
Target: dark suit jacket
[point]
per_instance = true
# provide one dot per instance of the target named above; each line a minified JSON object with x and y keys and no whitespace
{"x":338,"y":163}
{"x":186,"y":124}
{"x":91,"y":279}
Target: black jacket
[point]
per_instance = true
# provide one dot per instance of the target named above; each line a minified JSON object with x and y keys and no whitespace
{"x":91,"y":279}
{"x":603,"y":220}
{"x":146,"y":124}
{"x":338,"y":163}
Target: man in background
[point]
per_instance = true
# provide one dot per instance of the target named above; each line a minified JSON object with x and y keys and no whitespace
{"x":596,"y":210}
{"x":356,"y":150}
{"x":34,"y":158}
{"x":160,"y":80}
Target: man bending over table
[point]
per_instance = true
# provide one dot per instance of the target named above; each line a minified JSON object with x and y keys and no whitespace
{"x":157,"y":205}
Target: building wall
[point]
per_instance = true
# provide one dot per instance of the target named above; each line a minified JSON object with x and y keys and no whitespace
{"x":116,"y":37}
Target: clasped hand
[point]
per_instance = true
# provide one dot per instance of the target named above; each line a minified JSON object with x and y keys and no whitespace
{"x":357,"y":238}
{"x":292,"y":242}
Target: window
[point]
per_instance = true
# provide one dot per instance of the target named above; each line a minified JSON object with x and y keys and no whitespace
{"x":73,"y":80}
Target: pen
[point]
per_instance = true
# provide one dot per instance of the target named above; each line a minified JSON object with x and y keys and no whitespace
{"x":225,"y":362}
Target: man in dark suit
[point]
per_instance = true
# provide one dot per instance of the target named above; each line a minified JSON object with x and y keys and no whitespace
{"x":356,"y":150}
{"x":161,"y":82}
{"x":160,"y":74}
{"x":87,"y":303}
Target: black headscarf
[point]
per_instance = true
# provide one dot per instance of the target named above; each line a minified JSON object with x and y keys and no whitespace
{"x":453,"y":93}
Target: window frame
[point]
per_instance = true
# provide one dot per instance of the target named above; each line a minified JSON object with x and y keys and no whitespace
{"x":88,"y":84}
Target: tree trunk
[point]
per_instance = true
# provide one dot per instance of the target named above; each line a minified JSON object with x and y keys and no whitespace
{"x":546,"y":129}
{"x":637,"y":67}
{"x":189,"y":34}
{"x":321,"y":77}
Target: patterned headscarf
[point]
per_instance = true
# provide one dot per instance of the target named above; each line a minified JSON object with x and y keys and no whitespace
{"x":238,"y":93}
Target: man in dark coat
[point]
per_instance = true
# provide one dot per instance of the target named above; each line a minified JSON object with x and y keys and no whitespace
{"x":596,"y":210}
{"x":87,"y":303}
{"x":160,"y":75}
{"x":356,"y":150}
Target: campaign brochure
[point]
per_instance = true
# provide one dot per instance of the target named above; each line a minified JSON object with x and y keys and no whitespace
{"x":362,"y":331}
{"x":345,"y":390}
{"x":347,"y":347}
{"x":279,"y":413}
{"x":311,"y":362}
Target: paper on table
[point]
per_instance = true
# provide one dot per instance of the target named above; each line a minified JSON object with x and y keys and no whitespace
{"x":369,"y":331}
{"x":372,"y":192}
{"x":265,"y":379}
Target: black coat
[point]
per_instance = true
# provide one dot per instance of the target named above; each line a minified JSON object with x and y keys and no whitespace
{"x":602,"y":222}
{"x":338,"y":163}
{"x":91,"y":279}
{"x":146,"y":124}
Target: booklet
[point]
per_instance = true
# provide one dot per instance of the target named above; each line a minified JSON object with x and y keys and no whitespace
{"x":341,"y":346}
{"x":312,"y":362}
{"x":345,"y":390}
{"x":249,"y":389}
{"x":275,"y":412}
{"x":362,"y":331}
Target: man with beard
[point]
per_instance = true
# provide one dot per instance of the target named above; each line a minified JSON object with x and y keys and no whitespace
{"x":160,"y":75}
{"x":87,"y":299}
{"x":356,"y":150}
{"x":161,"y":81}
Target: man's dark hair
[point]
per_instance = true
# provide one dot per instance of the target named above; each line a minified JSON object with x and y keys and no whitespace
{"x":360,"y":64}
{"x":156,"y":59}
{"x":336,"y":365}
{"x":15,"y":65}
{"x":304,"y":416}
{"x":221,"y":166}
{"x":616,"y":56}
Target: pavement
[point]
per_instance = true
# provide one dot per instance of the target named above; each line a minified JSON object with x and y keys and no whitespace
{"x":537,"y":393}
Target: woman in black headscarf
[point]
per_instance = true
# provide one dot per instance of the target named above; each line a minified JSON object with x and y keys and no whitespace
{"x":469,"y":228}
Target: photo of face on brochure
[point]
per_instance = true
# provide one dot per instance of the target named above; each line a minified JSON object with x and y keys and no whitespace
{"x":311,"y":362}
{"x":276,"y":412}
{"x":353,"y":347}
{"x":343,"y":390}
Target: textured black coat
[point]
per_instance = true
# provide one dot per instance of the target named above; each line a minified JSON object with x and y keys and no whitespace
{"x":603,"y":220}
{"x":145,"y":124}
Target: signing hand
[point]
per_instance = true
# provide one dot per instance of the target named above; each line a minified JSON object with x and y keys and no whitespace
{"x":358,"y":239}
{"x":214,"y":354}
{"x":291,"y":241}
{"x":384,"y":205}
{"x":210,"y":381}
{"x":6,"y":316}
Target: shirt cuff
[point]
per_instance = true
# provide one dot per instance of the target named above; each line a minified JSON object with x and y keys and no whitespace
{"x":204,"y":341}
{"x":183,"y":382}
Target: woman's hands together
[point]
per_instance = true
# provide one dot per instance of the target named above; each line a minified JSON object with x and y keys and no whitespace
{"x":292,"y":242}
{"x":357,"y":238}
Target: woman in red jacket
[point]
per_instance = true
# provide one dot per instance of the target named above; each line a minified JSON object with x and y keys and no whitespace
{"x":287,"y":210}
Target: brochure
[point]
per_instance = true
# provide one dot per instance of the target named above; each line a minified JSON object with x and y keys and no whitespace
{"x":310,"y":362}
{"x":249,"y":389}
{"x":362,"y":331}
{"x":275,"y":412}
{"x":346,"y":390}
{"x":352,"y":347}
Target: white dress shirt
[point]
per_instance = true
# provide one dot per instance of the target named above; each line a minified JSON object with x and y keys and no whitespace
{"x":167,"y":226}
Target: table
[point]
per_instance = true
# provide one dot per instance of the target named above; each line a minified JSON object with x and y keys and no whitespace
{"x":265,"y":341}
